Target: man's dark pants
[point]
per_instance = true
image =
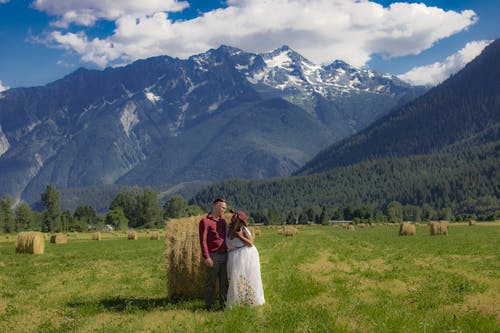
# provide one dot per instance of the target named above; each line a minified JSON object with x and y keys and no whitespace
{"x":219,"y":271}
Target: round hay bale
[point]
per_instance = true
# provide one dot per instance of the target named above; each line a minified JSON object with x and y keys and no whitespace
{"x":155,"y":235}
{"x":132,"y":235}
{"x":30,"y":242}
{"x":288,"y":231}
{"x":350,"y":227}
{"x":185,"y":268}
{"x":59,"y":239}
{"x":407,"y":229}
{"x":472,"y":223}
{"x":96,"y":236}
{"x":438,"y":228}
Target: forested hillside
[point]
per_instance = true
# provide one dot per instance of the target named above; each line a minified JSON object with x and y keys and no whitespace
{"x":465,"y":182}
{"x":441,"y":150}
{"x":455,"y":111}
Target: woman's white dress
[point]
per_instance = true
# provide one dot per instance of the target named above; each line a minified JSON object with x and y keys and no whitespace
{"x":243,"y":272}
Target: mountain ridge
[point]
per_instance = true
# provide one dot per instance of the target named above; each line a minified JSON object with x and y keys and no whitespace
{"x":397,"y":134}
{"x":440,"y":151}
{"x":151,"y":122}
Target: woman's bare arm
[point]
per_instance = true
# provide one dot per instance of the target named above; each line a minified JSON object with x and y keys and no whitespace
{"x":245,"y":236}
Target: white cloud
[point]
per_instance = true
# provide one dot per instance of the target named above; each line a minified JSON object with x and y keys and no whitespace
{"x":439,"y":71}
{"x":87,"y":12}
{"x":2,"y":87}
{"x":321,"y":30}
{"x":4,"y":1}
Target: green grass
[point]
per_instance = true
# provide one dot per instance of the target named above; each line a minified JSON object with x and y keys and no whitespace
{"x":324,"y":279}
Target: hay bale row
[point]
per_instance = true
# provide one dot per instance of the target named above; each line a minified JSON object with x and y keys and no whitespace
{"x":288,"y":231}
{"x":132,"y":235}
{"x":30,"y":242}
{"x":254,"y":231}
{"x":59,"y":239}
{"x":438,"y":228}
{"x":96,"y":236}
{"x":407,"y":229}
{"x":349,"y":227}
{"x":185,"y":268}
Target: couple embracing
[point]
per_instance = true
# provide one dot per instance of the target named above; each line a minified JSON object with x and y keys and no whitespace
{"x":230,"y":258}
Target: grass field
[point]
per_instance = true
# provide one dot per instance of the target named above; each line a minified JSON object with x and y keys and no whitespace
{"x":324,"y":279}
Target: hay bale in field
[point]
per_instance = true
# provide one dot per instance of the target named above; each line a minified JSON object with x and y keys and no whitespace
{"x":438,"y":228}
{"x":132,"y":235}
{"x":155,"y":235}
{"x":96,"y":236}
{"x":472,"y":223}
{"x":30,"y":242}
{"x":407,"y":229}
{"x":290,"y":231}
{"x":185,"y":268}
{"x":59,"y":239}
{"x":350,"y":227}
{"x":254,"y":231}
{"x":361,"y":225}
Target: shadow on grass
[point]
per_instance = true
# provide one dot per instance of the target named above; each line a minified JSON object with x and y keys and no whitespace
{"x":131,"y":305}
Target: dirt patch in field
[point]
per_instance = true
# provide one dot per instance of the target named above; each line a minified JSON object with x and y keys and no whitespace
{"x":3,"y":306}
{"x":429,"y":262}
{"x":322,"y":268}
{"x":485,"y":303}
{"x":377,"y":265}
{"x":328,"y":263}
{"x":394,"y":287}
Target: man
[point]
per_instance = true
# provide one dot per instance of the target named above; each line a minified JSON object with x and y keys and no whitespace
{"x":212,"y":229}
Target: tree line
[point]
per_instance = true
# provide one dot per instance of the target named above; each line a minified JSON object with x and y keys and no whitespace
{"x":131,"y":208}
{"x":467,"y":183}
{"x":452,"y":186}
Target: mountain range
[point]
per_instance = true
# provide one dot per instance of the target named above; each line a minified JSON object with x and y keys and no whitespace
{"x":441,"y":150}
{"x":172,"y":124}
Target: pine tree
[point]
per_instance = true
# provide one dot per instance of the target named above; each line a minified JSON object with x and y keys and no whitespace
{"x":6,"y":214}
{"x":323,"y":217}
{"x":52,"y":215}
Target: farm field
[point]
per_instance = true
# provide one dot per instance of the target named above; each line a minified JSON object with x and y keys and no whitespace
{"x":323,"y":279}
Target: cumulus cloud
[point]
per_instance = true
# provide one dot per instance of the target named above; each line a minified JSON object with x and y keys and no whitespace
{"x":2,"y":87}
{"x":437,"y":72}
{"x":4,"y":1}
{"x":87,"y":12}
{"x":321,"y":30}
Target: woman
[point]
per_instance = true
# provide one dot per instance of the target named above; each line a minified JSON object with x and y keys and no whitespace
{"x":243,"y":264}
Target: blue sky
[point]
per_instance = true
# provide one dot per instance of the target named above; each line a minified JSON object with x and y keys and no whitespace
{"x":423,"y":42}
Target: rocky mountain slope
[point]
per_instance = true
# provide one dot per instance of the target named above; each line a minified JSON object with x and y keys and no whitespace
{"x":164,"y":121}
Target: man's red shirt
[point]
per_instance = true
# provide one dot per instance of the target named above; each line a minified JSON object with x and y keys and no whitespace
{"x":212,"y":235}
